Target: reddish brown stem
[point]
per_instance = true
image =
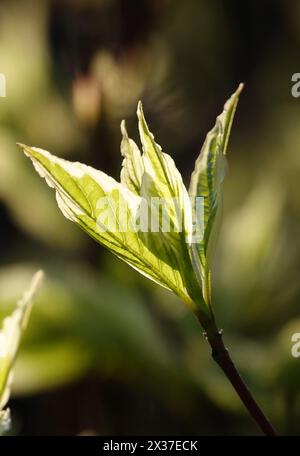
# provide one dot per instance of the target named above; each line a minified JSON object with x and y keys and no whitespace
{"x":221,"y":356}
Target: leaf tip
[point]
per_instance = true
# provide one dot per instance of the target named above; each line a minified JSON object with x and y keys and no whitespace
{"x":240,"y":88}
{"x":139,"y":106}
{"x":123,"y":129}
{"x":21,"y":145}
{"x":139,"y":111}
{"x":24,"y":148}
{"x":235,"y":96}
{"x":38,"y":278}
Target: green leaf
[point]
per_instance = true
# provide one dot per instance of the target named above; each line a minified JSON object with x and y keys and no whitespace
{"x":161,"y":256}
{"x":147,"y":218}
{"x":162,"y":179}
{"x":206,"y":182}
{"x":10,"y":336}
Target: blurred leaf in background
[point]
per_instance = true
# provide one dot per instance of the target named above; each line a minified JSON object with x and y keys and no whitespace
{"x":12,"y":328}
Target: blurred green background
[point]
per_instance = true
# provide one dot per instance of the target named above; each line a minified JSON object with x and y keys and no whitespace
{"x":106,"y":351}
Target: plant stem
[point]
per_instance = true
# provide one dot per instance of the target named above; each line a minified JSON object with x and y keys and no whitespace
{"x":221,"y":356}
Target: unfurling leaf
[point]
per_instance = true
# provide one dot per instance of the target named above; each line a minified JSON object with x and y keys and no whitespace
{"x":206,"y":181}
{"x":10,"y":336}
{"x":147,"y":218}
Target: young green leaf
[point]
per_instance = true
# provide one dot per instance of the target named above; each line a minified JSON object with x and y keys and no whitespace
{"x":117,"y":214}
{"x":10,"y":336}
{"x":206,"y":182}
{"x":147,"y":218}
{"x":162,"y":179}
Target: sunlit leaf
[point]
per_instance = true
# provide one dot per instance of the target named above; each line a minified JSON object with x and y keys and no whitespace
{"x":206,"y":182}
{"x":147,"y":218}
{"x":80,"y":189}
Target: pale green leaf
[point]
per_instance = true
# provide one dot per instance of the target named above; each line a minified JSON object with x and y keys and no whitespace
{"x":166,"y":254}
{"x":206,"y":182}
{"x":80,"y":188}
{"x":162,"y":179}
{"x":10,"y":336}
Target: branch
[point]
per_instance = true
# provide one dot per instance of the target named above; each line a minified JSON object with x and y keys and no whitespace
{"x":221,"y":356}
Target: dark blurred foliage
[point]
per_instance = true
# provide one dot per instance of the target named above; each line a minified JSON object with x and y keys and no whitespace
{"x":106,"y":351}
